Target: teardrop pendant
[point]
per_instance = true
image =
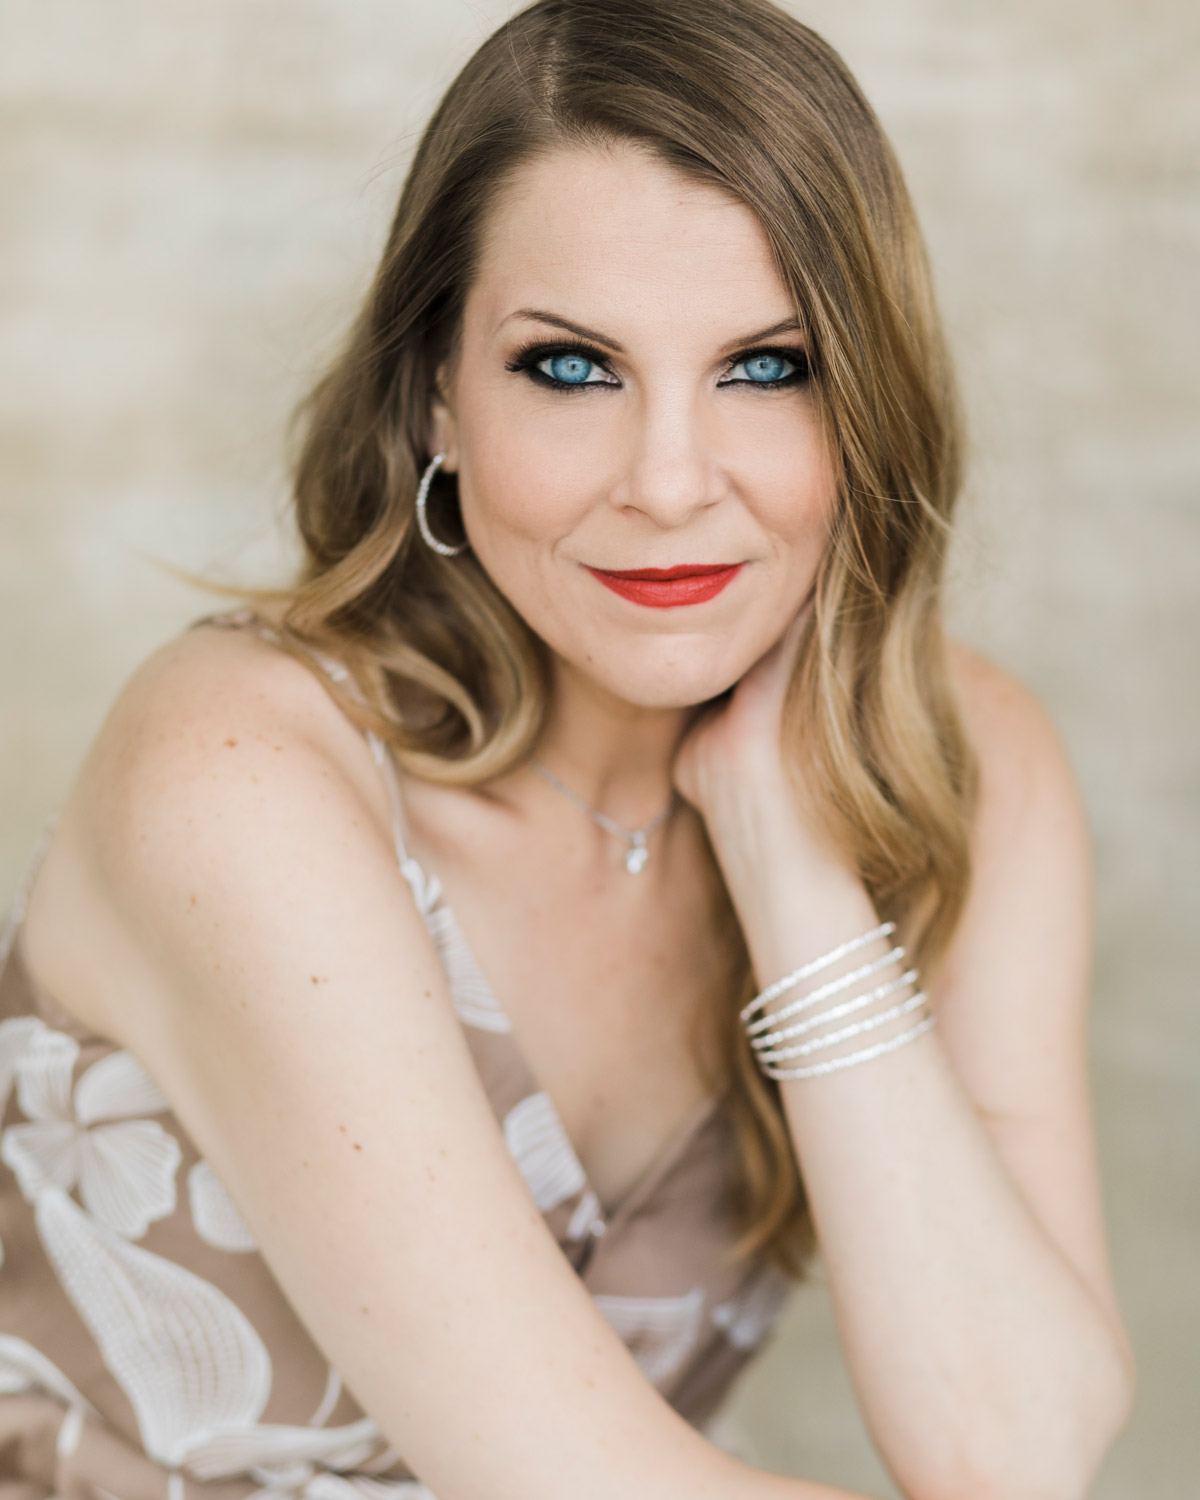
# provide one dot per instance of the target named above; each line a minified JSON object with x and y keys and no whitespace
{"x":637,"y":855}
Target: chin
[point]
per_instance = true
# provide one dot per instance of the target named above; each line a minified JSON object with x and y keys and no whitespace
{"x":678,"y":679}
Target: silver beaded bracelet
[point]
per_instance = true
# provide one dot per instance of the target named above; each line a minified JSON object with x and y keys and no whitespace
{"x":833,"y":1064}
{"x":802,"y":1049}
{"x":834,"y":1013}
{"x":806,"y":971}
{"x":832,"y":987}
{"x":766,"y":1034}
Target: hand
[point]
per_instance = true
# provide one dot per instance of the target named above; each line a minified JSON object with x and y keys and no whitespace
{"x":736,"y":745}
{"x":763,"y":815}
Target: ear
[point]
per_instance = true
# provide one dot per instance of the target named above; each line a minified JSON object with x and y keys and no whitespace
{"x":443,"y":429}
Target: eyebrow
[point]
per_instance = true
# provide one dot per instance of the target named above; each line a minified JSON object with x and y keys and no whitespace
{"x":539,"y":315}
{"x":536,"y":315}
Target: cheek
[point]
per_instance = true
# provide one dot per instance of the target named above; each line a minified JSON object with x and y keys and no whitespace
{"x":521,"y":480}
{"x":791,"y":479}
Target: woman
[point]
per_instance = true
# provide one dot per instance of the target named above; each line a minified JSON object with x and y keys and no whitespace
{"x":617,"y":649}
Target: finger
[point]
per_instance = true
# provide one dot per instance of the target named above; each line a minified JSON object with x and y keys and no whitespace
{"x":773,"y":671}
{"x":795,"y":632}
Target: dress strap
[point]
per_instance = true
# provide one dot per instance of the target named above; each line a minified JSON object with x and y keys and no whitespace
{"x":241,"y":619}
{"x":386,"y":762}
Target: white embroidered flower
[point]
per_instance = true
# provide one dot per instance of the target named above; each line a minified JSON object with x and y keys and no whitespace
{"x":214,"y":1213}
{"x":542,"y":1151}
{"x":15,"y":1035}
{"x":470,"y":991}
{"x":24,"y":1368}
{"x":660,"y":1332}
{"x":187,"y":1358}
{"x":309,"y":1484}
{"x":747,"y":1318}
{"x":473,"y":998}
{"x":124,"y":1168}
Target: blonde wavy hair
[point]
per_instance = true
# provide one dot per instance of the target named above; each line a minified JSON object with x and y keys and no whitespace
{"x":738,"y":95}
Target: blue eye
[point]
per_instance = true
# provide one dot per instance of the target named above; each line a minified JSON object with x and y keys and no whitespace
{"x":562,"y":367}
{"x":769,"y":367}
{"x":570,"y":369}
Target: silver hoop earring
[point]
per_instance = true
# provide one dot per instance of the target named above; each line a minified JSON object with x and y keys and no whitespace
{"x":430,"y":540}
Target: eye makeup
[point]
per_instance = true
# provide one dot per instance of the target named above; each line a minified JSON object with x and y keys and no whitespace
{"x":529,"y":356}
{"x":527,"y":359}
{"x":792,"y":356}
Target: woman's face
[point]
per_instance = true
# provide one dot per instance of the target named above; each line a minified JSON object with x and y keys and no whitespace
{"x":630,"y":394}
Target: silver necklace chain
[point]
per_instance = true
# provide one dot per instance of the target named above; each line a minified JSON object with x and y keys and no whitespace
{"x":637,"y":854}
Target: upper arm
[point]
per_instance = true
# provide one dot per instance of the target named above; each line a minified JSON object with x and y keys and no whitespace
{"x":1013,"y":992}
{"x":285,"y":996}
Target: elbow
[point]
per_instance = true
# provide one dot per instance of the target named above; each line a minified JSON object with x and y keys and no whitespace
{"x":1053,"y":1453}
{"x":1099,"y":1422}
{"x":1104,"y":1409}
{"x":1124,"y":1390}
{"x":1121,"y":1398}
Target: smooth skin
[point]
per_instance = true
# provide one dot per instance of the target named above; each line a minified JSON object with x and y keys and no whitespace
{"x":222,"y":898}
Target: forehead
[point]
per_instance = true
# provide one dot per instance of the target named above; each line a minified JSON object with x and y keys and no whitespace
{"x":615,"y":238}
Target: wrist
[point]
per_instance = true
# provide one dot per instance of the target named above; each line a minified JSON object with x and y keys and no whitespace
{"x":788,"y":883}
{"x":800,"y":919}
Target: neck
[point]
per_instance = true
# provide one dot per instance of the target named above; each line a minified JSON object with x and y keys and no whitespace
{"x":613,"y":754}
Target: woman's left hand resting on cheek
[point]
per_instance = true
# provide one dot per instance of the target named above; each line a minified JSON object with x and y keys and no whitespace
{"x":952,"y":1182}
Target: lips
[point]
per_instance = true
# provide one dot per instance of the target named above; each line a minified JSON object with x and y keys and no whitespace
{"x":665,"y":588}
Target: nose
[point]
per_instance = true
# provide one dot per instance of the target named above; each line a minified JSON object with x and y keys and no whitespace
{"x":672,"y":472}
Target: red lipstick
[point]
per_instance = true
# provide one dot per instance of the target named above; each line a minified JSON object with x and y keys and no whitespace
{"x":662,"y":588}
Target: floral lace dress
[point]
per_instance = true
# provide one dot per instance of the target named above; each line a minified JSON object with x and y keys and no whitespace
{"x":146,"y":1351}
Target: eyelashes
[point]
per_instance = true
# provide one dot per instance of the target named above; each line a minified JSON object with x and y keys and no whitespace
{"x":528,"y":359}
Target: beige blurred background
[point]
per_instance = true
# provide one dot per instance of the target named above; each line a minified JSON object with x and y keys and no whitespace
{"x":191,"y":196}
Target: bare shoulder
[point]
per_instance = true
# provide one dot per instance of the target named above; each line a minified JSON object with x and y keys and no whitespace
{"x":190,"y":698}
{"x":215,"y":739}
{"x":1004,"y":718}
{"x":1025,"y":930}
{"x":1025,"y":775}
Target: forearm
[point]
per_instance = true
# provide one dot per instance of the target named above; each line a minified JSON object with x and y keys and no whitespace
{"x":983,"y":1364}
